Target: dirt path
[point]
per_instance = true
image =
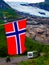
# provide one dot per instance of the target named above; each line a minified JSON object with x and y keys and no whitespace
{"x":14,"y":60}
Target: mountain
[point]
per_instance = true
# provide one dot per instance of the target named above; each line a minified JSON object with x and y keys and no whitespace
{"x":42,"y":5}
{"x":3,"y":5}
{"x":10,"y":11}
{"x":46,"y":0}
{"x":33,"y":9}
{"x":6,"y":12}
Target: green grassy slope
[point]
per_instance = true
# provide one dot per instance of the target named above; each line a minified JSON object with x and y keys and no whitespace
{"x":35,"y":45}
{"x":9,"y":13}
{"x":43,"y":60}
{"x":3,"y":46}
{"x":30,"y":44}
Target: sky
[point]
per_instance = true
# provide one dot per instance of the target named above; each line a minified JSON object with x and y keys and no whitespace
{"x":30,"y":1}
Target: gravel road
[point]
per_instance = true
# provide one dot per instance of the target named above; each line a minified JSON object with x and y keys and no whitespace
{"x":14,"y":60}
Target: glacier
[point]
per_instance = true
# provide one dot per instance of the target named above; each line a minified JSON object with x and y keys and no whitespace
{"x":35,"y":11}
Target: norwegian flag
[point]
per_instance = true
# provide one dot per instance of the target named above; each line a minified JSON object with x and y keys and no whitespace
{"x":15,"y":35}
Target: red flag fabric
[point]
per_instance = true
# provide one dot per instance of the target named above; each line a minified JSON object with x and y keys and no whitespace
{"x":15,"y":35}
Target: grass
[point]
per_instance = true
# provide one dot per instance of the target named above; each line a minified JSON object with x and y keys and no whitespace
{"x":3,"y":46}
{"x":30,"y":44}
{"x":1,"y":22}
{"x":35,"y":45}
{"x":42,"y":60}
{"x":9,"y":13}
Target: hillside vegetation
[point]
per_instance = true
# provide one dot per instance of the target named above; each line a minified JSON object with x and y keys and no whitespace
{"x":8,"y":12}
{"x":30,"y":44}
{"x":43,"y":60}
